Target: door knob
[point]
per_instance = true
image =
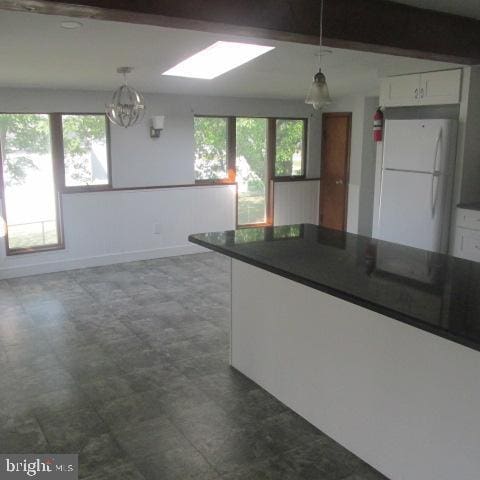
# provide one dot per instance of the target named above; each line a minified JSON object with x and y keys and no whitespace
{"x":339,"y":182}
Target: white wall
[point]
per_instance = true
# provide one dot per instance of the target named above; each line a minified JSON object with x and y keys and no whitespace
{"x":112,"y":227}
{"x":296,"y":202}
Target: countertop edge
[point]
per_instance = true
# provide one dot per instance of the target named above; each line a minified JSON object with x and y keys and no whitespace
{"x":341,"y":295}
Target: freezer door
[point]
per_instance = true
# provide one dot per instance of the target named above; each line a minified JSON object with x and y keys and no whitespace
{"x":411,"y":209}
{"x":417,"y":145}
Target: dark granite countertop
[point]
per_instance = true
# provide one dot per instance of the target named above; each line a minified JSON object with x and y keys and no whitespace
{"x":470,"y":206}
{"x":434,"y":292}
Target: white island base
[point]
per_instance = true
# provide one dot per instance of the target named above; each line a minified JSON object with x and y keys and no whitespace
{"x":404,"y":400}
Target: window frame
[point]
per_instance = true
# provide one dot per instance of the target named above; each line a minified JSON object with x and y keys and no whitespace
{"x":231,"y":142}
{"x":57,"y":119}
{"x":60,"y":245}
{"x":291,"y":178}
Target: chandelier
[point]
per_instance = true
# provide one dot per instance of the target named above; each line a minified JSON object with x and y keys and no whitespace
{"x":128,"y":105}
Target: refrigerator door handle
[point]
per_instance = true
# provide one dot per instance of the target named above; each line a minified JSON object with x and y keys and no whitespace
{"x":435,"y":175}
{"x":437,"y":144}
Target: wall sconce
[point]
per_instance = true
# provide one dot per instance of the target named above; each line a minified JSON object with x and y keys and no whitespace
{"x":157,"y":126}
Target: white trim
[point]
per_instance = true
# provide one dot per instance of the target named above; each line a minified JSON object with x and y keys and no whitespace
{"x":97,"y":261}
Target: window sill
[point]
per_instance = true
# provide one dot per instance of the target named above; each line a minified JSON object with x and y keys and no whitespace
{"x":25,"y":251}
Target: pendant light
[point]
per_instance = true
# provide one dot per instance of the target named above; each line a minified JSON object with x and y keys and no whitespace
{"x":318,"y":96}
{"x":128,"y":105}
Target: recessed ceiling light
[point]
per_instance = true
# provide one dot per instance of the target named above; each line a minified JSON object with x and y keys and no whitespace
{"x":217,"y":59}
{"x":71,"y":25}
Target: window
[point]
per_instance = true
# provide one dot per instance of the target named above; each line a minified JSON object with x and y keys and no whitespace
{"x":29,"y":183}
{"x":41,"y":155}
{"x":290,"y":148}
{"x":211,"y":149}
{"x":85,"y":151}
{"x":251,"y":151}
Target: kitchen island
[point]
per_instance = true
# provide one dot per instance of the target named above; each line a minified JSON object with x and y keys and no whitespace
{"x":374,"y":343}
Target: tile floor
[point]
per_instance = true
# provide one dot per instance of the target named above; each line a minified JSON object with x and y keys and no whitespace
{"x":127,"y":365}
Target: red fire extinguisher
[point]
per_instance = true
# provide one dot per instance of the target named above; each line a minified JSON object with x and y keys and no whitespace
{"x":378,"y":126}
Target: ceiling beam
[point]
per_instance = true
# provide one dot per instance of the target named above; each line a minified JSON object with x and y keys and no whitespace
{"x":369,"y":25}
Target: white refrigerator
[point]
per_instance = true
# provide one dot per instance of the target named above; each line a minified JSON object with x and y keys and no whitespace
{"x":416,"y":183}
{"x":416,"y":193}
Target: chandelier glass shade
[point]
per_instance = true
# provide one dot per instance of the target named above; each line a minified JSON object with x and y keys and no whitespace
{"x":318,"y":96}
{"x":127,"y":106}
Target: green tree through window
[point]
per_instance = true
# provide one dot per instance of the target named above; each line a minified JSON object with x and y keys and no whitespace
{"x":289,"y":148}
{"x":85,"y":150}
{"x":210,"y":148}
{"x":21,"y":136}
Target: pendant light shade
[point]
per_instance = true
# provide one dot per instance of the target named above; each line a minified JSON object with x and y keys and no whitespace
{"x":318,"y":96}
{"x":127,"y":106}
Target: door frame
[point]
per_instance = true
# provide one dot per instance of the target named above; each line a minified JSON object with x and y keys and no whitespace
{"x":347,"y":162}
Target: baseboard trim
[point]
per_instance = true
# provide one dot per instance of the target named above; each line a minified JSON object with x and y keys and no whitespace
{"x":97,"y":261}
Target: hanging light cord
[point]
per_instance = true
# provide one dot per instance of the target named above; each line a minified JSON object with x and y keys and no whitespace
{"x":321,"y":36}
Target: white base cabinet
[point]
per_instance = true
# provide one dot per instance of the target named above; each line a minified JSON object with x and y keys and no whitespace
{"x":400,"y":398}
{"x":467,"y":237}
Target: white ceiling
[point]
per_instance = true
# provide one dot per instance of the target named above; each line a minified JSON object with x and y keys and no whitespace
{"x":467,"y":8}
{"x":36,"y":52}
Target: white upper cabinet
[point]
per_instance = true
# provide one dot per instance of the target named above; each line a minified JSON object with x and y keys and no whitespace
{"x":400,"y":91}
{"x":440,"y":88}
{"x":433,"y":88}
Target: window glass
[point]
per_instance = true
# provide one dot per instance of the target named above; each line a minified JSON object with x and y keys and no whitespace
{"x":85,"y":150}
{"x":251,"y":165}
{"x":289,"y":161}
{"x":211,"y":148}
{"x":28,"y":182}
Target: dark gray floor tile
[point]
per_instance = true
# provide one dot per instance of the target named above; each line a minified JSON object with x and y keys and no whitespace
{"x":271,"y":469}
{"x":22,"y":435}
{"x":69,"y":431}
{"x":178,"y":464}
{"x":105,"y":389}
{"x":366,"y":473}
{"x":99,"y":452}
{"x":151,"y":437}
{"x":125,"y":412}
{"x":287,"y":429}
{"x":326,"y":461}
{"x":26,"y":382}
{"x":252,"y":405}
{"x":141,"y":379}
{"x":124,"y":470}
{"x":224,"y":442}
{"x":55,"y":402}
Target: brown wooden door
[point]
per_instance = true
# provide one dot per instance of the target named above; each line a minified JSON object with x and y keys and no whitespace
{"x":336,"y":129}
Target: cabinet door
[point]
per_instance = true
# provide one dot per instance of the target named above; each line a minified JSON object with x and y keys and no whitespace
{"x":439,"y":88}
{"x":403,"y":90}
{"x":468,"y":219}
{"x":467,"y":244}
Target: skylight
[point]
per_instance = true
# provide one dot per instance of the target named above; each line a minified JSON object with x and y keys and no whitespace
{"x":217,"y":59}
